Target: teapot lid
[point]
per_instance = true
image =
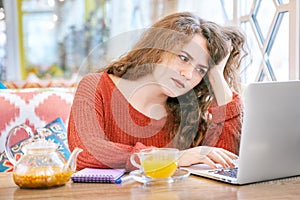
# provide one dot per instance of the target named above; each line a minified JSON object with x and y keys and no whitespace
{"x":40,"y":144}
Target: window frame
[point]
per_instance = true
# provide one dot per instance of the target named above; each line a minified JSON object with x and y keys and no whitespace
{"x":294,"y":35}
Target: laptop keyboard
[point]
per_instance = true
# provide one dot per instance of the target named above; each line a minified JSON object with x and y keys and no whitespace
{"x":230,"y":172}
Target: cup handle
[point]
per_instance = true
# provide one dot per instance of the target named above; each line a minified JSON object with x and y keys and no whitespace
{"x":132,"y":160}
{"x":8,"y":151}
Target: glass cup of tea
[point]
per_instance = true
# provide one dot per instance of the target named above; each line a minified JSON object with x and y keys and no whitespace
{"x":156,"y":162}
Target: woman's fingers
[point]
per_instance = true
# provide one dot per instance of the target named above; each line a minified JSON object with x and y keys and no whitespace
{"x":221,"y":156}
{"x":230,"y":154}
{"x":209,"y":162}
{"x":208,"y":155}
{"x":217,"y":157}
{"x":228,"y":160}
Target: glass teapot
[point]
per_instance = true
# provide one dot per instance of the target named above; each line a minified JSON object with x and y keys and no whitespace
{"x":42,"y":165}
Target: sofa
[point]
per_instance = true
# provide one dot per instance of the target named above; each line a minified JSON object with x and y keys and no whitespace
{"x":35,"y":107}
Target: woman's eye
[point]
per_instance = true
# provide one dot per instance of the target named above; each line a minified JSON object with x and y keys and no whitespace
{"x":183,"y":58}
{"x":201,"y":70}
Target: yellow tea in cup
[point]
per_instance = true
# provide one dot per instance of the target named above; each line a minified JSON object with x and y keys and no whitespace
{"x":158,"y":162}
{"x":159,"y":169}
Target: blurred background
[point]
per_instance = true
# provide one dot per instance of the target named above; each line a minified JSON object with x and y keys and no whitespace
{"x":58,"y":39}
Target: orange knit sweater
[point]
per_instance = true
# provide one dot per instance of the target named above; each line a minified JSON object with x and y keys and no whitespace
{"x":109,"y":129}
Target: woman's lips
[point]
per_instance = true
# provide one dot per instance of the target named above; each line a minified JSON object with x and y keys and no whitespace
{"x":178,"y":83}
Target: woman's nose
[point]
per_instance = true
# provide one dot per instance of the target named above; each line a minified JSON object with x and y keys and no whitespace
{"x":187,"y":72}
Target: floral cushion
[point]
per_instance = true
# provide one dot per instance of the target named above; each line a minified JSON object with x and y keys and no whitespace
{"x":55,"y":131}
{"x":2,"y":86}
{"x":34,"y":107}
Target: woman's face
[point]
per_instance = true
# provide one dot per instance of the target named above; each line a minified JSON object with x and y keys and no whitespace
{"x":185,"y":69}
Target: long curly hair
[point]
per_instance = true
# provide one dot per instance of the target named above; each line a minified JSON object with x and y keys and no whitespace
{"x":188,"y":111}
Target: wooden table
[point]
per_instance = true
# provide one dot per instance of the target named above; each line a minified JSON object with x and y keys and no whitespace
{"x":191,"y":188}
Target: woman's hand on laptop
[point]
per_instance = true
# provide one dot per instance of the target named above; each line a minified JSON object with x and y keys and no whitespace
{"x":207,"y":155}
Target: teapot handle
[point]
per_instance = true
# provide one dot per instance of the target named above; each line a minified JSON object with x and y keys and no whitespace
{"x":8,"y":151}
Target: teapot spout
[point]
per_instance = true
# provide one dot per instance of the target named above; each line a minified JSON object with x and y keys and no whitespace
{"x":71,"y":164}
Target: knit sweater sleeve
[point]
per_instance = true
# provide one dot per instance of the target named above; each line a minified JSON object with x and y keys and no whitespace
{"x":225,"y":128}
{"x":85,"y":130}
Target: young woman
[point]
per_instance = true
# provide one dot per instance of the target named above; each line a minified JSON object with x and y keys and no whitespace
{"x":178,"y":87}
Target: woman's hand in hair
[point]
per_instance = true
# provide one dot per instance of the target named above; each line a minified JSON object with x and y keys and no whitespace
{"x":220,"y":67}
{"x":207,"y":155}
{"x":222,"y":91}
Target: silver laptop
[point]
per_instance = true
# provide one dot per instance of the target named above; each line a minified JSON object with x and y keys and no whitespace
{"x":270,"y":141}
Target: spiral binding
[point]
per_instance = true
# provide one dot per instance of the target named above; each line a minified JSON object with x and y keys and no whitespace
{"x":93,"y":179}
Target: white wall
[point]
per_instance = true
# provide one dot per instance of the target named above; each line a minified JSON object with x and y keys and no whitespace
{"x":13,"y":71}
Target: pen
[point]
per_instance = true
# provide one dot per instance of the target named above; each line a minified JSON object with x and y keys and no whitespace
{"x":123,"y":179}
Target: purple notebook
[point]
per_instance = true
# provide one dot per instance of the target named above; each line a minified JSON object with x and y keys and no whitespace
{"x":93,"y":175}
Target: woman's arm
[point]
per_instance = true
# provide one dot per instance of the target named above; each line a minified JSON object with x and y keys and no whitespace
{"x":226,"y":125}
{"x":222,"y":141}
{"x":98,"y":152}
{"x":86,"y":130}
